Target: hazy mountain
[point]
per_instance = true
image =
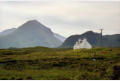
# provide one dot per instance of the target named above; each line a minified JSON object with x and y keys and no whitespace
{"x":59,"y":37}
{"x":6,"y":32}
{"x":30,"y":34}
{"x":94,"y":39}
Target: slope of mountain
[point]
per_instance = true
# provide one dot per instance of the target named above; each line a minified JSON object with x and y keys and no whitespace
{"x":31,"y":33}
{"x":59,"y":37}
{"x":94,"y":39}
{"x":6,"y":32}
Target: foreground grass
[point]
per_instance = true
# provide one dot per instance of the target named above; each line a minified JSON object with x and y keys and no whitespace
{"x":60,"y":64}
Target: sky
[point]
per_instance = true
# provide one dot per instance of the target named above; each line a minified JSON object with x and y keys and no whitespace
{"x":65,"y":17}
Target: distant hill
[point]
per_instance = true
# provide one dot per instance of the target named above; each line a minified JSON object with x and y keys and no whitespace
{"x":94,"y":39}
{"x":59,"y":37}
{"x":6,"y":32}
{"x":30,"y":34}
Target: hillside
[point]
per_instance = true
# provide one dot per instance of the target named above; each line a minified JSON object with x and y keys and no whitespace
{"x":6,"y":32}
{"x":94,"y":39}
{"x":59,"y":37}
{"x":30,"y":34}
{"x":41,"y":63}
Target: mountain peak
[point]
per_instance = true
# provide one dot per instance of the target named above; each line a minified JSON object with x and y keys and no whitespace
{"x":32,"y":24}
{"x":89,"y":32}
{"x":33,"y":21}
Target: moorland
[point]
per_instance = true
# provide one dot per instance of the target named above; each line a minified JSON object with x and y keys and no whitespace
{"x":41,"y":63}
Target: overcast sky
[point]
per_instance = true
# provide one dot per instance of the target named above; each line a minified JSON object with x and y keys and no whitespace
{"x":66,"y":17}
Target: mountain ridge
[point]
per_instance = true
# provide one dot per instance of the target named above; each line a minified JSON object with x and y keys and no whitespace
{"x":94,"y":39}
{"x":7,"y":31}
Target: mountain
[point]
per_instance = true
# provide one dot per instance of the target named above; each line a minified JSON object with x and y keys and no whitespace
{"x":94,"y":39}
{"x":59,"y":37}
{"x":30,"y":34}
{"x":6,"y":32}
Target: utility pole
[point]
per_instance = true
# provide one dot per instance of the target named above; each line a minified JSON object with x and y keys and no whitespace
{"x":101,"y":37}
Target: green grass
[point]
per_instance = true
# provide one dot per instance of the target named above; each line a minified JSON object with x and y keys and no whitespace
{"x":40,"y":63}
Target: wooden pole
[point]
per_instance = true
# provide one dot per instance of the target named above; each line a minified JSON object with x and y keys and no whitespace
{"x":101,"y":37}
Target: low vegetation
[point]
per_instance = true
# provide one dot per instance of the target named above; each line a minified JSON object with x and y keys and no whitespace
{"x":40,"y":63}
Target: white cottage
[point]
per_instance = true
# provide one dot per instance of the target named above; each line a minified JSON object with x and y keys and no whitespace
{"x":82,"y":43}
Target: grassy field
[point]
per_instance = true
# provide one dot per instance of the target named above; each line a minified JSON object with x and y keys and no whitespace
{"x":40,"y":63}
